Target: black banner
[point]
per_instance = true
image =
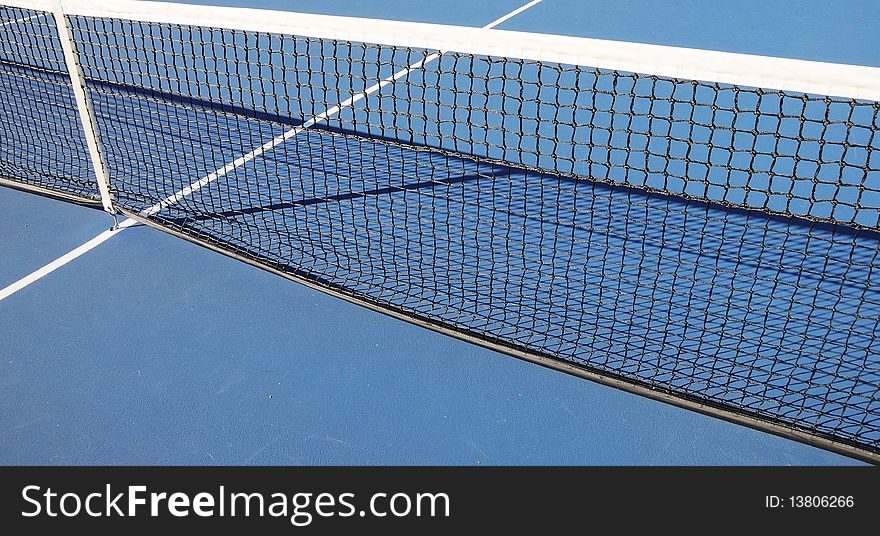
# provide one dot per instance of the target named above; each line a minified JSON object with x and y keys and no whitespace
{"x":437,"y":500}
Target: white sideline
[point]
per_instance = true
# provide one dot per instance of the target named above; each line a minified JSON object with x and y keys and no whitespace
{"x":238,"y":162}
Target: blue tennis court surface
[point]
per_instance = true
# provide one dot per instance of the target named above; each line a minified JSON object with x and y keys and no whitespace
{"x":151,"y":350}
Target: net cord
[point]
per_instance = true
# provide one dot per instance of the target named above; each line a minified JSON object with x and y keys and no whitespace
{"x":821,"y":78}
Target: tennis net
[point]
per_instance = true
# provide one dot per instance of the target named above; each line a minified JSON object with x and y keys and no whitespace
{"x":41,"y":140}
{"x":694,"y":226}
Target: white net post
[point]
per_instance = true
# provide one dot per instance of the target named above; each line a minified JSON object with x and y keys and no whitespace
{"x":84,"y":106}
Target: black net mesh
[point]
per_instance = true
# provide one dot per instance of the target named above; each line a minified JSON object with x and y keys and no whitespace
{"x":714,"y":242}
{"x":41,"y":140}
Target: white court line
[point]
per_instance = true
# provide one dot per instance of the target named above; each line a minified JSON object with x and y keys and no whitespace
{"x":24,"y":19}
{"x":510,"y":15}
{"x":64,"y":259}
{"x":327,"y":114}
{"x":281,"y":138}
{"x":235,"y":164}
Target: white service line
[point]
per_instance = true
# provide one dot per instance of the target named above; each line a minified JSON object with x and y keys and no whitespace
{"x":235,"y":164}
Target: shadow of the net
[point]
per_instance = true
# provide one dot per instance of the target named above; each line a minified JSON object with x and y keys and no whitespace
{"x":335,"y":198}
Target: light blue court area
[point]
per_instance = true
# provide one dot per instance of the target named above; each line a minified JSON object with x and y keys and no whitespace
{"x":148,"y":349}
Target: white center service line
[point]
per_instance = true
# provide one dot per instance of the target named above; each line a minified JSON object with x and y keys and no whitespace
{"x":235,"y":164}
